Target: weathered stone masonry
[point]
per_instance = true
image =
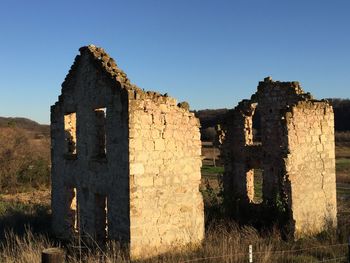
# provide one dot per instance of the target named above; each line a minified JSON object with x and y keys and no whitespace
{"x":125,"y":163}
{"x":296,"y":155}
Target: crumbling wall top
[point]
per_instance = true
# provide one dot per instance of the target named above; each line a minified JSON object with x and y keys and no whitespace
{"x":290,"y":90}
{"x":276,"y":94}
{"x":108,"y":64}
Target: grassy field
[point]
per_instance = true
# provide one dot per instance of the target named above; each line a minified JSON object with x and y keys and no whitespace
{"x":212,"y":170}
{"x":225,"y":242}
{"x":25,"y":229}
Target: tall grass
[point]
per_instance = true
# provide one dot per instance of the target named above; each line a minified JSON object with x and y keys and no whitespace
{"x":26,"y":248}
{"x":225,"y":242}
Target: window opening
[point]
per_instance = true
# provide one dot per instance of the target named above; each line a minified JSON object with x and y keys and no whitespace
{"x":100,"y":115}
{"x":101,"y":217}
{"x":74,"y":210}
{"x":258,"y":185}
{"x":255,"y":185}
{"x":70,"y":130}
{"x":257,"y":127}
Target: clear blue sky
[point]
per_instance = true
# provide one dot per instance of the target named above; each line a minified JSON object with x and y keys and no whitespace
{"x":209,"y":53}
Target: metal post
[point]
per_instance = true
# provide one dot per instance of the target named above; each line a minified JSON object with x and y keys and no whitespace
{"x":250,"y":254}
{"x":349,"y":250}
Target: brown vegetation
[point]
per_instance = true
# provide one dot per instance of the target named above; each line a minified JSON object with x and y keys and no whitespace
{"x":225,"y":242}
{"x":24,"y":159}
{"x":39,"y":130}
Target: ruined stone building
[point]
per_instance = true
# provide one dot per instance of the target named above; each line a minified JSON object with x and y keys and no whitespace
{"x":125,"y":162}
{"x":296,"y":155}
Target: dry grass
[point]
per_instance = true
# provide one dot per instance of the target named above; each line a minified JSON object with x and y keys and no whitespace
{"x":225,"y":242}
{"x":342,"y":152}
{"x":23,"y":249}
{"x":37,"y":197}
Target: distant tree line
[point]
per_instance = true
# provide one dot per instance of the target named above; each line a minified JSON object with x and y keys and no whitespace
{"x":341,"y":114}
{"x":210,"y":118}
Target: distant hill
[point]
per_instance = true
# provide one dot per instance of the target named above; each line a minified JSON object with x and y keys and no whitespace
{"x":25,"y":124}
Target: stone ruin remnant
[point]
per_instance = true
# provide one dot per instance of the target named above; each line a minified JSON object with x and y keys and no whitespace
{"x":296,"y":156}
{"x":125,"y":162}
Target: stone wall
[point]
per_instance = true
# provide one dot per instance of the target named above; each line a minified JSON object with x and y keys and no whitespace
{"x":310,"y":166}
{"x":125,"y":163}
{"x":87,"y":168}
{"x":165,"y":147}
{"x":282,"y":144}
{"x":239,"y":188}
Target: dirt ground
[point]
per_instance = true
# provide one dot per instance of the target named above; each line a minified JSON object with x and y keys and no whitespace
{"x":35,"y":197}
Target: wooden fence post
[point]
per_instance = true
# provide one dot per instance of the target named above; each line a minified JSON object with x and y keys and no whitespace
{"x":214,"y":157}
{"x":53,"y":255}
